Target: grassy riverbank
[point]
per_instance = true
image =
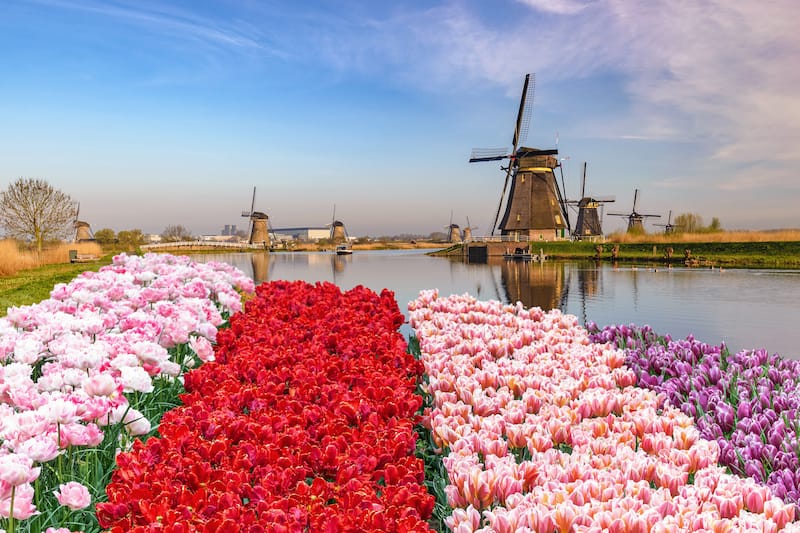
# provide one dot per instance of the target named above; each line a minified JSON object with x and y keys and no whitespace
{"x":34,"y":285}
{"x":757,"y":254}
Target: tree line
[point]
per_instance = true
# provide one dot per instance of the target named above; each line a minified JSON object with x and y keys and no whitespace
{"x":33,"y":211}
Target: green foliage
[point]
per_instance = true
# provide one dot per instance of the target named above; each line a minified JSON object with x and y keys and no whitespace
{"x":688,"y":222}
{"x":105,"y":236}
{"x":436,"y":478}
{"x":130,"y":239}
{"x":32,"y":286}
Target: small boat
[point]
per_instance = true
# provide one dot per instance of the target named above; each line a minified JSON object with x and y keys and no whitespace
{"x":519,"y":254}
{"x":343,"y":249}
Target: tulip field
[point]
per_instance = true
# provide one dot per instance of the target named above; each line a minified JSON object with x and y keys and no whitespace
{"x":163,"y":395}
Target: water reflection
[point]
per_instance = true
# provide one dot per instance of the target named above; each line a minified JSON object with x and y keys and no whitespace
{"x":260,"y":264}
{"x":533,"y":283}
{"x":744,"y":308}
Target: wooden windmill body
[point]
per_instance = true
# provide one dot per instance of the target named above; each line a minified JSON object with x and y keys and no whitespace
{"x":536,"y":209}
{"x":454,"y":233}
{"x":338,"y":231}
{"x":83,"y":231}
{"x":466,"y":234}
{"x":259,"y":225}
{"x":589,"y":225}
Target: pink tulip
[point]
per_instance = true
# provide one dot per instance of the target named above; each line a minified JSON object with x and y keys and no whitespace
{"x":23,"y":503}
{"x":755,"y":498}
{"x":101,"y":385}
{"x":17,"y":469}
{"x":73,"y":495}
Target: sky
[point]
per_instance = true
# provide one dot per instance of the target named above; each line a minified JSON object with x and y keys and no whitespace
{"x":156,"y":113}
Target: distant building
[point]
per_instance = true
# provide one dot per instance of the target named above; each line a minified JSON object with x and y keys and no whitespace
{"x":307,"y":234}
{"x":151,"y":238}
{"x":229,"y":230}
{"x":218,"y":238}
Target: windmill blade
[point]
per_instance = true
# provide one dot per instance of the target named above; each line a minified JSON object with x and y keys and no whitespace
{"x":583,"y":183}
{"x":488,"y":154}
{"x":502,"y":195}
{"x":635,"y":197}
{"x":562,"y":201}
{"x":524,"y":113}
{"x":252,"y":210}
{"x":77,"y":213}
{"x":605,"y":199}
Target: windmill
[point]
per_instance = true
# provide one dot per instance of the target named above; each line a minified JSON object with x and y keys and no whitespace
{"x":635,"y":219}
{"x":259,"y":224}
{"x":669,"y":227}
{"x":589,"y":223}
{"x":536,"y":206}
{"x":83,"y":232}
{"x":466,"y":235}
{"x":338,"y":231}
{"x":453,"y":231}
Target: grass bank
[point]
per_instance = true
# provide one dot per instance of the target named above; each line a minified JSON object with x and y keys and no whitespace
{"x":34,"y":285}
{"x":754,"y":254}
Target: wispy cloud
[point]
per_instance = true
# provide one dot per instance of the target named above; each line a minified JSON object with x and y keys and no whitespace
{"x":562,"y":7}
{"x":712,"y":71}
{"x":171,"y":22}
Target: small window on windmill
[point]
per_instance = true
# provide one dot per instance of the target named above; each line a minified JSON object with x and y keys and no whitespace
{"x":558,"y":219}
{"x":519,"y":217}
{"x":522,"y":178}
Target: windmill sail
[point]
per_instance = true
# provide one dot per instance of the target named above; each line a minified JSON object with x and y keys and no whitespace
{"x":536,"y":207}
{"x":635,"y":219}
{"x":259,"y":232}
{"x":588,"y":225}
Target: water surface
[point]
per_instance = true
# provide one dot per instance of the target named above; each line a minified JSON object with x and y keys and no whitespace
{"x":745,"y":308}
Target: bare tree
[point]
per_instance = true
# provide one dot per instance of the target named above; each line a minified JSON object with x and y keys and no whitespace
{"x":31,"y":209}
{"x":176,"y":233}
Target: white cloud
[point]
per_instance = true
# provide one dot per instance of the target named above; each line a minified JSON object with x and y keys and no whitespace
{"x":561,"y":7}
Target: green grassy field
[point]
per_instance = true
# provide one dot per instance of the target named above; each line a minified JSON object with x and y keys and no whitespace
{"x":34,"y":285}
{"x":781,"y":254}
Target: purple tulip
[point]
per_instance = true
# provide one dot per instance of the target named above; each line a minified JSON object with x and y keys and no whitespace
{"x":744,"y":410}
{"x":749,"y":396}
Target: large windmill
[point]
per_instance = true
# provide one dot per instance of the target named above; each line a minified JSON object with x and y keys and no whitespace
{"x":535,"y":207}
{"x":589,"y":224}
{"x":635,"y":219}
{"x":259,"y":224}
{"x":83,"y":232}
{"x":338,"y":231}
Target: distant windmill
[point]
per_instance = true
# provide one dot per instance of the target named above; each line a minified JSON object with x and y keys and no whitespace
{"x":454,"y":232}
{"x":635,"y":219}
{"x":536,"y":207}
{"x":83,"y":232}
{"x":669,"y":227}
{"x":259,"y":224}
{"x":338,"y":231}
{"x":466,"y":235}
{"x":589,"y":224}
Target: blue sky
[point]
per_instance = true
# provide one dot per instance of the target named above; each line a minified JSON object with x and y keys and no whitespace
{"x":153,"y":113}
